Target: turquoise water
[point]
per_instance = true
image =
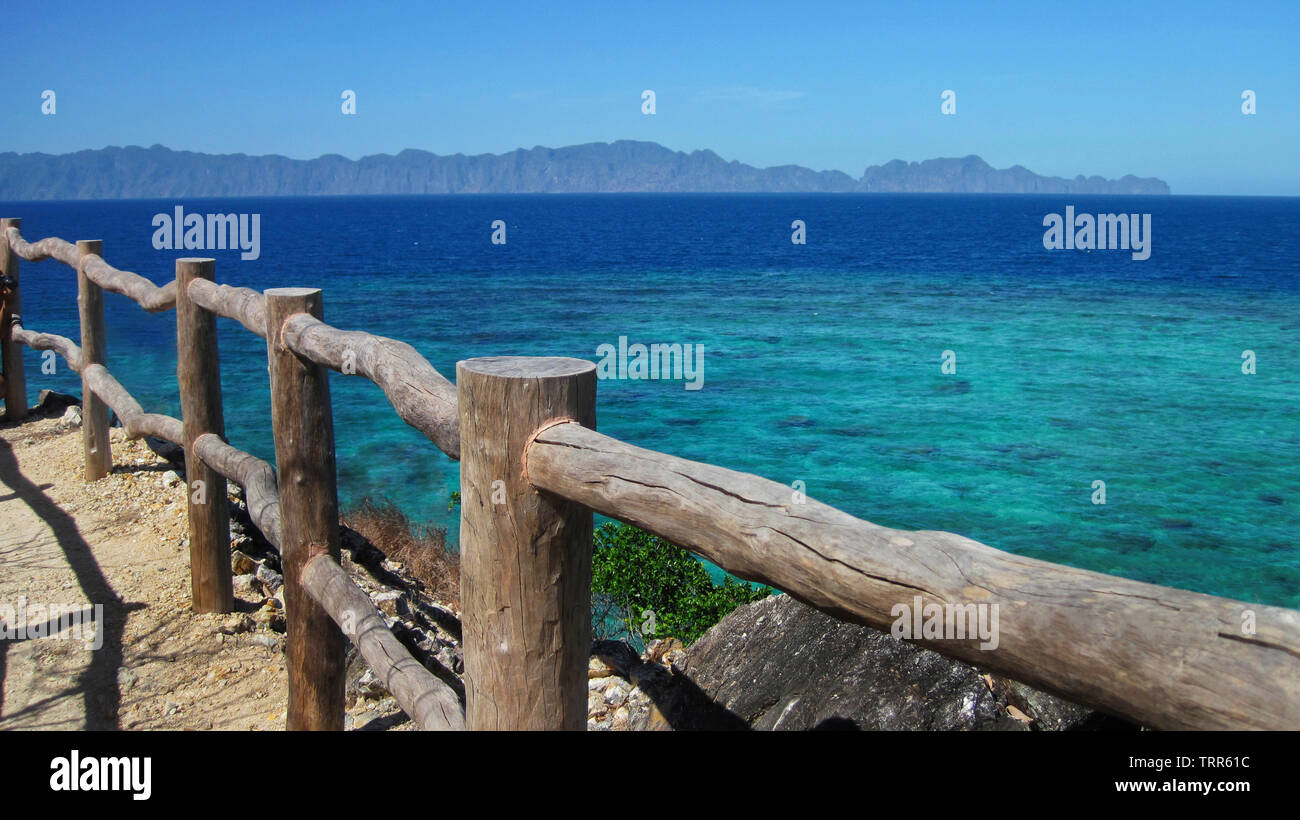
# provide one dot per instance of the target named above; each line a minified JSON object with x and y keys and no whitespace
{"x":822,"y":362}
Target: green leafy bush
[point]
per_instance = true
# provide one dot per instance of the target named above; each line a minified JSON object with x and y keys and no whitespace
{"x":643,"y":587}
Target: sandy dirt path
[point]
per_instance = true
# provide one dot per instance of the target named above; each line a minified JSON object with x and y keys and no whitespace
{"x":120,"y":543}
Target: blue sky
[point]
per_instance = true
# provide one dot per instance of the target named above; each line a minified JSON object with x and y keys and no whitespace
{"x":1152,"y":89}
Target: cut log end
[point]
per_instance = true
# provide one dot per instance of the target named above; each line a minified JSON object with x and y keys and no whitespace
{"x":527,"y":367}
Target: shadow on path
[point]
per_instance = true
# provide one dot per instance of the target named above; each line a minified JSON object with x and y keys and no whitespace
{"x":97,"y":683}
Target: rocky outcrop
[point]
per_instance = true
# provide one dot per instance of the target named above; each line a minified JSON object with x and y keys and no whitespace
{"x":52,"y":402}
{"x":778,"y":664}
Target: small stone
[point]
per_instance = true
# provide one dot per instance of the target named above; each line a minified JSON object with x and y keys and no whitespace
{"x":615,"y":694}
{"x":266,"y":615}
{"x":170,"y":479}
{"x":71,"y":417}
{"x":386,"y":602}
{"x":270,"y":579}
{"x":241,"y":564}
{"x":369,"y":686}
{"x":126,"y":678}
{"x":620,"y":721}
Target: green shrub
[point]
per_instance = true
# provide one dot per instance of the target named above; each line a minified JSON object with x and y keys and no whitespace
{"x":643,"y":587}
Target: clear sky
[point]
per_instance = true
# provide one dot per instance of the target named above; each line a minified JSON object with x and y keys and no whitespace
{"x":1152,"y":89}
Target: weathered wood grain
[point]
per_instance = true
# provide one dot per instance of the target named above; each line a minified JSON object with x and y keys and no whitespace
{"x":253,"y":474}
{"x":62,"y":345}
{"x":303,"y":425}
{"x":135,"y":421}
{"x":244,"y":305}
{"x":51,"y":247}
{"x":432,"y":704}
{"x":1162,"y":657}
{"x":421,"y":395}
{"x":149,"y":296}
{"x":198,"y":375}
{"x":525,"y":555}
{"x":98,"y":453}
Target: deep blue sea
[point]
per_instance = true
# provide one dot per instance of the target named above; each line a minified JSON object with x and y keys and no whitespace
{"x":822,"y":361}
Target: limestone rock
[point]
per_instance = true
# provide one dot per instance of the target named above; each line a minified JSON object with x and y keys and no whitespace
{"x":71,"y":417}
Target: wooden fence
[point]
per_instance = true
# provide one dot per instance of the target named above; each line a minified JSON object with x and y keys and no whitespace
{"x":533,"y":470}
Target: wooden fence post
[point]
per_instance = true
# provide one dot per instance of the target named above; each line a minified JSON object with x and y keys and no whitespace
{"x":303,"y":425}
{"x":15,"y":379}
{"x":525,"y":555}
{"x":198,"y":374}
{"x":94,"y":413}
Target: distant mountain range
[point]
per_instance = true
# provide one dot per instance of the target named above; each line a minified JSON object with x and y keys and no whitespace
{"x":623,"y":166}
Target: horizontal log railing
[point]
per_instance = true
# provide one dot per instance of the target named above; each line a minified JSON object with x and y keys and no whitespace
{"x":430,"y":702}
{"x":535,"y":469}
{"x":422,"y":397}
{"x":148,"y":295}
{"x":1159,"y":656}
